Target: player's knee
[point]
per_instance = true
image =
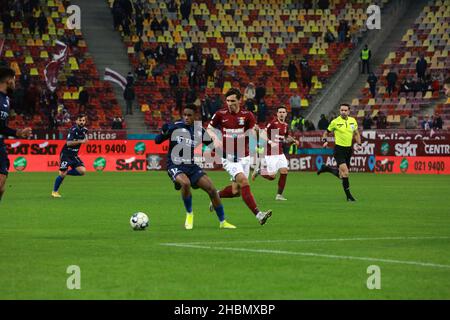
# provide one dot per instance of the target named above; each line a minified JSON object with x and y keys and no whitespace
{"x":284,"y":171}
{"x":212,"y":192}
{"x":185,"y":184}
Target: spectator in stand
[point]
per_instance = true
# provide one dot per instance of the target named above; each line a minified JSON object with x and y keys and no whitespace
{"x":141,"y":72}
{"x":52,"y":121}
{"x":295,"y":101}
{"x":83,"y":100}
{"x":185,"y":9}
{"x":205,"y":108}
{"x":250,"y":106}
{"x":172,"y":6}
{"x":309,"y":126}
{"x":323,"y":4}
{"x":179,"y":94}
{"x":260,"y":92}
{"x":307,"y":75}
{"x":250,"y":91}
{"x":42,"y":24}
{"x":407,"y":85}
{"x":192,"y":77}
{"x":25,"y":79}
{"x":6,"y":19}
{"x":173,"y":82}
{"x":262,"y":111}
{"x":31,"y":99}
{"x":437,"y":122}
{"x":381,"y":120}
{"x":411,"y":122}
{"x":391,"y":79}
{"x":139,"y":21}
{"x":157,"y":70}
{"x":435,"y":84}
{"x":421,"y":66}
{"x":117,"y":123}
{"x":129,"y":96}
{"x":155,"y":26}
{"x":323,"y":123}
{"x":354,"y":33}
{"x":329,"y":36}
{"x":210,"y":67}
{"x":342,"y":31}
{"x":372,"y":80}
{"x":427,"y":123}
{"x":367,"y":121}
{"x":164,"y":25}
{"x":292,"y":71}
{"x":31,"y":22}
{"x":191,"y":96}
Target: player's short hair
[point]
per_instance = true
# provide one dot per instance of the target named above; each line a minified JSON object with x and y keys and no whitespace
{"x":81,"y":115}
{"x":190,"y":106}
{"x":344,"y":105}
{"x":281,"y":107}
{"x":5,"y":73}
{"x":233,"y":91}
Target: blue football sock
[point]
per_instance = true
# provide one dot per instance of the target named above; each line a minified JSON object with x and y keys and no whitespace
{"x":188,"y":204}
{"x":58,"y":182}
{"x":220,"y":213}
{"x":73,"y":172}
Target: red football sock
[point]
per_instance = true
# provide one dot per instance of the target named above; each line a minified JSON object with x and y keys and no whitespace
{"x":249,"y":200}
{"x":282,"y":183}
{"x":227,"y":192}
{"x":266,"y":176}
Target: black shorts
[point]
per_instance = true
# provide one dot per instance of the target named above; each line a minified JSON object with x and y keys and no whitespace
{"x":343,"y":155}
{"x":192,"y":171}
{"x":4,"y":161}
{"x":68,"y":160}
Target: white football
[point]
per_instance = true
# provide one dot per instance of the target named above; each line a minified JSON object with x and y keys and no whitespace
{"x":139,"y":221}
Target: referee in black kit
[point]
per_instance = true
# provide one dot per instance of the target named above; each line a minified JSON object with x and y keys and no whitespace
{"x":344,"y":128}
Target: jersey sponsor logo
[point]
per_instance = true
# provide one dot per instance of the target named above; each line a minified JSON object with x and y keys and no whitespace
{"x":241,"y":121}
{"x":4,"y":115}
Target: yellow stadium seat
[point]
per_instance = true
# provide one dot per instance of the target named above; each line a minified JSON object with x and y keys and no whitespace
{"x":371,"y":102}
{"x":43,"y":54}
{"x":67,"y":95}
{"x":293,"y":85}
{"x":360,"y":114}
{"x":29,"y":60}
{"x":374,"y":113}
{"x":9,"y":54}
{"x":75,"y":95}
{"x":305,"y":103}
{"x":269,"y":63}
{"x":318,"y":85}
{"x":34,"y":72}
{"x":355,"y":102}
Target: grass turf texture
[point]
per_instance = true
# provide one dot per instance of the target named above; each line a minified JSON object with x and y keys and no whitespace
{"x":89,"y":227}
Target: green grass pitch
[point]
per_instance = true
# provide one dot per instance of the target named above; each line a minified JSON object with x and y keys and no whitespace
{"x":315,"y":246}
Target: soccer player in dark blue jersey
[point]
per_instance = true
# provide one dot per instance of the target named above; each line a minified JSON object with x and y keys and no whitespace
{"x":69,"y":154}
{"x":181,"y":167}
{"x":7,"y":83}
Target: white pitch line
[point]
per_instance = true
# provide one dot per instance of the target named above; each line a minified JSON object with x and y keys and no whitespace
{"x":312,"y":254}
{"x":310,"y":240}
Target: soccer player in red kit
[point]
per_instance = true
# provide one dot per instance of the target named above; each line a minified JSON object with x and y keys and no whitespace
{"x":234,"y":125}
{"x":276,"y":134}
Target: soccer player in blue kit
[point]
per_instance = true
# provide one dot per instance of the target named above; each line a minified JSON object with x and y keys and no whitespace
{"x":69,"y":154}
{"x":182,"y":169}
{"x":7,"y":83}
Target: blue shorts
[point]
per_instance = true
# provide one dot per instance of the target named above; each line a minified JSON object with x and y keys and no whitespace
{"x":192,"y":171}
{"x":68,"y":160}
{"x":4,"y":161}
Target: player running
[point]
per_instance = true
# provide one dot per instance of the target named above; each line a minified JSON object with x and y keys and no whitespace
{"x":69,"y":154}
{"x":344,"y":128}
{"x":7,"y":83}
{"x":276,"y":134}
{"x":182,"y":169}
{"x":234,"y":125}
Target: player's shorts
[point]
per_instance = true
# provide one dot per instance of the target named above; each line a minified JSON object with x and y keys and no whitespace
{"x":4,"y":161}
{"x":276,"y":162}
{"x":234,"y":168}
{"x":67,"y":160}
{"x":192,"y":171}
{"x":342,"y":155}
